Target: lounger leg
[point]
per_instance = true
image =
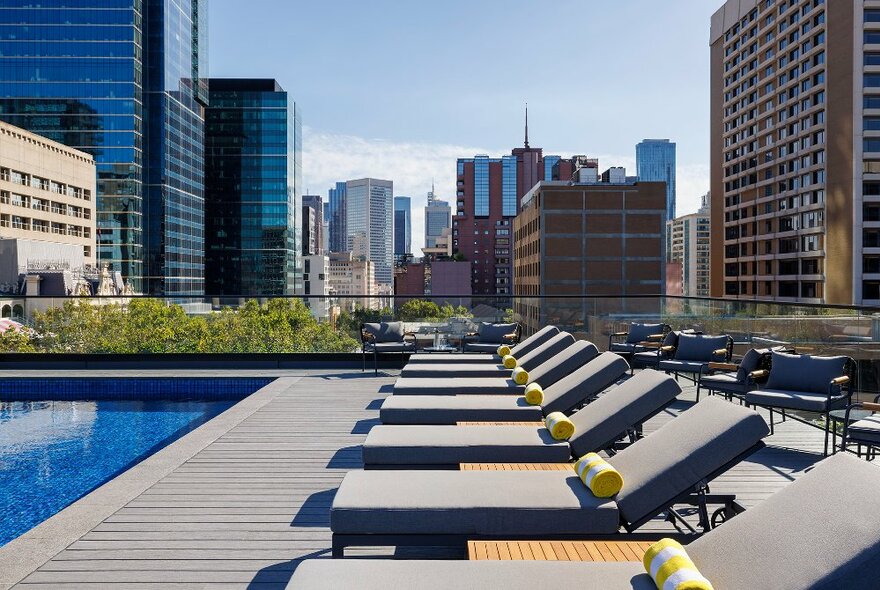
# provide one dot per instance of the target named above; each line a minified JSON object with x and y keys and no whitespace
{"x":827,"y":432}
{"x":338,"y":549}
{"x":376,"y":361}
{"x":771,"y":422}
{"x":698,"y":391}
{"x":363,"y":360}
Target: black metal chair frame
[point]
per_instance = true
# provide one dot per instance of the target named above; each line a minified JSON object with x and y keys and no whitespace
{"x":368,"y":339}
{"x":844,"y":383}
{"x":511,"y":338}
{"x":873,"y":446}
{"x":698,"y":496}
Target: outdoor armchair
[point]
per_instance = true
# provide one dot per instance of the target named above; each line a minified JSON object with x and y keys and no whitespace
{"x":384,"y":337}
{"x":632,"y":341}
{"x":489,"y":337}
{"x":736,"y":379}
{"x":653,"y":351}
{"x":864,"y":432}
{"x":805,"y":383}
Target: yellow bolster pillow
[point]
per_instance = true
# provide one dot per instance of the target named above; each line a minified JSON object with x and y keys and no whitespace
{"x":520,"y":376}
{"x":503,"y":351}
{"x":560,"y":427}
{"x":534,"y":394}
{"x":598,"y":475}
{"x":509,"y":362}
{"x":667,"y":562}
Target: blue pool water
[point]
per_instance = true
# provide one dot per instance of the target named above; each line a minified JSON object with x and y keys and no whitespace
{"x":54,"y":452}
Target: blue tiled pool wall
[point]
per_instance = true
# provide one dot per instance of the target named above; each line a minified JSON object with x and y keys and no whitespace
{"x":129,"y":388}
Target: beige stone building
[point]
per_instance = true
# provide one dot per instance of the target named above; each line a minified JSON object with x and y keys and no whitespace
{"x":353,"y":282}
{"x":47,"y":194}
{"x":687,"y":244}
{"x":795,"y":150}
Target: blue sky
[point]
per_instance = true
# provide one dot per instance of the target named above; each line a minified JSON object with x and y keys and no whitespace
{"x":399,"y":89}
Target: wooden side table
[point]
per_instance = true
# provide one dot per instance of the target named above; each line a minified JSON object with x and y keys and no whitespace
{"x":557,"y":550}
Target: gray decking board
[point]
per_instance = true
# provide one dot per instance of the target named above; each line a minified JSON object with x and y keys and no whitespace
{"x":244,"y":510}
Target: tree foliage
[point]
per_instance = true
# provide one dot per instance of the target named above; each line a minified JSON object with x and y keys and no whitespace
{"x":151,"y":326}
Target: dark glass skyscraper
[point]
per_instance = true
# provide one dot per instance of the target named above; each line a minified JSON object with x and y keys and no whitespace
{"x":402,"y":226}
{"x":252,"y":202}
{"x":121,"y":80}
{"x":338,"y":230}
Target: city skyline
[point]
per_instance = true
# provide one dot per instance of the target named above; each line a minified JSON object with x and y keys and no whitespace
{"x":418,"y":131}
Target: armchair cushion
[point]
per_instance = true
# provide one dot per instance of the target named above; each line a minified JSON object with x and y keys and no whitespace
{"x":641,"y":332}
{"x":392,"y":347}
{"x":807,"y":401}
{"x":725,"y":383}
{"x":867,"y":430}
{"x":751,"y":361}
{"x":813,"y":374}
{"x":675,"y":366}
{"x":386,"y":331}
{"x":699,"y":348}
{"x":495,"y":333}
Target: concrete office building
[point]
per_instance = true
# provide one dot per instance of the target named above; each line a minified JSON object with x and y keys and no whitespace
{"x":438,"y":217}
{"x":587,"y":239}
{"x":313,"y":225}
{"x":316,"y":284}
{"x":687,"y":244}
{"x":795,"y":151}
{"x":369,"y":220}
{"x":655,"y":162}
{"x":47,"y":200}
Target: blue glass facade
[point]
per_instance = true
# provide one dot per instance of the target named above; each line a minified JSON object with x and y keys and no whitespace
{"x":337,"y":213}
{"x":252,"y":201}
{"x":509,"y":197}
{"x":481,"y":186}
{"x":402,"y":226}
{"x":122,"y":80}
{"x":655,"y":162}
{"x":549,"y":163}
{"x":73,"y":71}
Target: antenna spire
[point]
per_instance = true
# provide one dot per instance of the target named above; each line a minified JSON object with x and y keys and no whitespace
{"x":527,"y":126}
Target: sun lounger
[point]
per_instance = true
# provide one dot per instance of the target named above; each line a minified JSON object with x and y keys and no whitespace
{"x":573,"y":390}
{"x":671,"y":466}
{"x":529,"y":361}
{"x":597,"y":427}
{"x":787,"y":542}
{"x":546,"y":374}
{"x":530,"y":343}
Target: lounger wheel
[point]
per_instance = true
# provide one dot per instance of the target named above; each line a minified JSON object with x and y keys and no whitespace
{"x":720,"y":516}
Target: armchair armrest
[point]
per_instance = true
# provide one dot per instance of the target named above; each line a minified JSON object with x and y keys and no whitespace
{"x":667,"y":348}
{"x":654,"y":345}
{"x":723,"y":367}
{"x":874,"y":407}
{"x":656,"y":337}
{"x":509,"y":337}
{"x":367,"y":337}
{"x":471,"y":334}
{"x":619,"y":334}
{"x":722,"y":352}
{"x":759,"y":374}
{"x":843,"y":380}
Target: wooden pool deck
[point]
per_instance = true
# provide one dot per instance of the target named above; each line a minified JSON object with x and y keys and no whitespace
{"x":244,"y":509}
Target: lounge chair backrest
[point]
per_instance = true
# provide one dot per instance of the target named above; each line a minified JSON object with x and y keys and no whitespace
{"x":683,"y":452}
{"x":495,"y":333}
{"x":535,"y":340}
{"x":805,"y":373}
{"x":564,"y":363}
{"x":545,"y":351}
{"x":584,"y":383}
{"x":692,"y":347}
{"x":386,"y":331}
{"x":821,"y":532}
{"x":598,"y":424}
{"x":641,"y":332}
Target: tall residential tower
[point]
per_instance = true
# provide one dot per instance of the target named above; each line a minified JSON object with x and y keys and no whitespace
{"x":402,"y":226}
{"x":369,"y":217}
{"x":655,"y":162}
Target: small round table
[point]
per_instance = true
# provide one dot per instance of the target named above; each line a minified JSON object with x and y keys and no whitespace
{"x":839,"y":416}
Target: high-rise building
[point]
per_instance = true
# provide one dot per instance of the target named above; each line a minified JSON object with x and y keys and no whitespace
{"x":587,"y":239}
{"x":687,"y":244}
{"x":369,"y":217}
{"x":655,"y":162}
{"x":438,"y":216}
{"x":336,"y":211}
{"x":795,"y":155}
{"x":313,"y":225}
{"x":402,"y":226}
{"x":122,"y":81}
{"x":253,"y":206}
{"x":353,"y":282}
{"x":489,"y":191}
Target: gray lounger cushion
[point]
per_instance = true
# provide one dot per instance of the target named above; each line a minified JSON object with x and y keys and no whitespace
{"x":584,"y":383}
{"x":671,"y":460}
{"x":482,"y":347}
{"x":627,"y":405}
{"x":821,"y":532}
{"x":563,"y":396}
{"x":546,"y":374}
{"x":536,"y":340}
{"x":497,"y":503}
{"x":449,"y":409}
{"x":444,"y":359}
{"x":529,"y":362}
{"x":381,"y":574}
{"x":451,"y":445}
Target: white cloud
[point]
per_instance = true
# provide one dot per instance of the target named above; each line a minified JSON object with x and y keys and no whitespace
{"x":329,"y":158}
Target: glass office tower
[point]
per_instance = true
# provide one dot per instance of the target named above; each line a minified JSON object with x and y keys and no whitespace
{"x":337,"y":213}
{"x":402,"y":226}
{"x":121,"y":80}
{"x":655,"y":161}
{"x":253,"y":205}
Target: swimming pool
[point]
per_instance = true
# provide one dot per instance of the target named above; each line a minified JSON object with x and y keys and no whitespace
{"x":54,"y":452}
